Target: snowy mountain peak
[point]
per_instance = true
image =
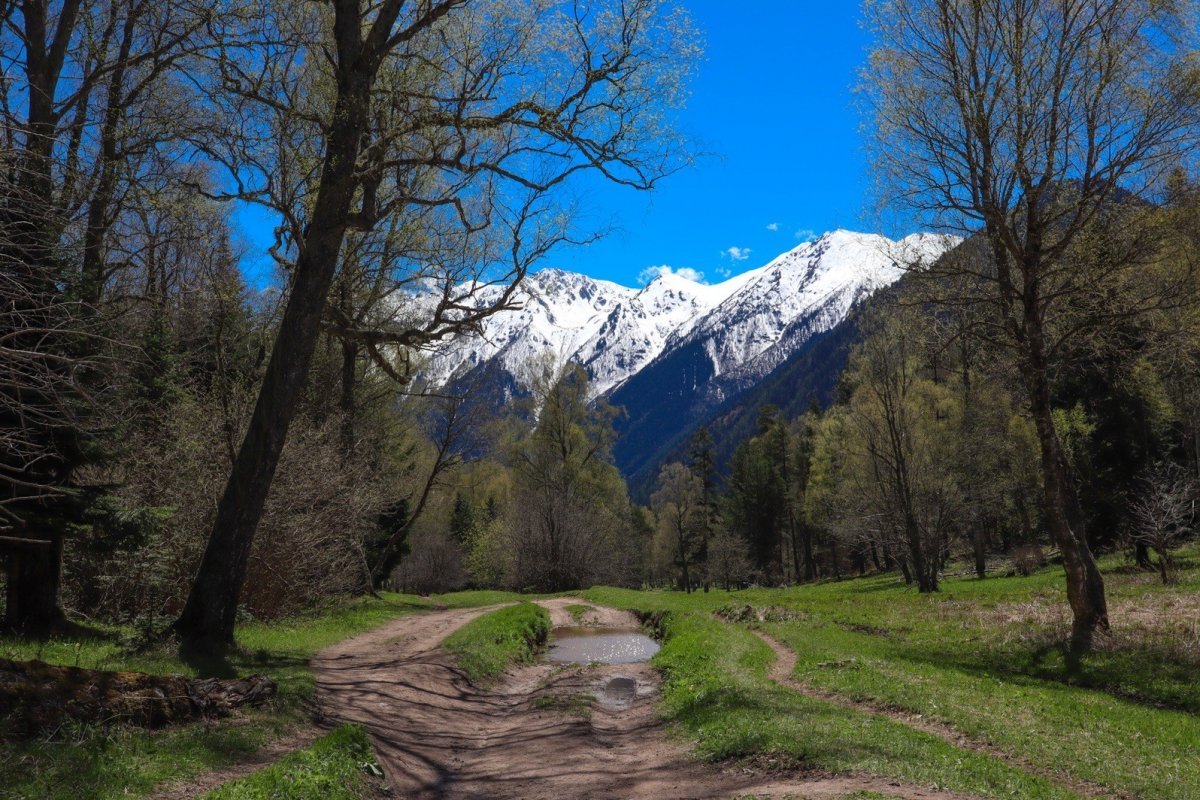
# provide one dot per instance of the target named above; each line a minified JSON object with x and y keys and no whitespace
{"x":743,"y":325}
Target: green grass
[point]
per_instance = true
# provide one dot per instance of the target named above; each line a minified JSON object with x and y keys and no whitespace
{"x":988,"y":658}
{"x":89,"y":763}
{"x":717,"y":690}
{"x":959,"y":659}
{"x":486,"y":646}
{"x":335,"y":767}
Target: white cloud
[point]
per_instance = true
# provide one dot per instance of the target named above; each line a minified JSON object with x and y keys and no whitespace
{"x":773,"y":227}
{"x":650,"y":273}
{"x":737,"y":253}
{"x":725,"y":272}
{"x":806,"y":234}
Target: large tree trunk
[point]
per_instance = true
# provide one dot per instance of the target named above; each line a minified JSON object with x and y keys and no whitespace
{"x":924,"y":565}
{"x":810,"y":561}
{"x":208,"y":617}
{"x":1141,"y":556}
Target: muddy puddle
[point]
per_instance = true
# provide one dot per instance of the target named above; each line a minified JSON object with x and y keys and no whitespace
{"x":603,"y":645}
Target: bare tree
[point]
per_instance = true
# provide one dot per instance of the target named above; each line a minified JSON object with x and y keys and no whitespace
{"x":1165,"y":513}
{"x":679,"y":504}
{"x":40,"y":397}
{"x":474,"y":108}
{"x":1038,"y":125}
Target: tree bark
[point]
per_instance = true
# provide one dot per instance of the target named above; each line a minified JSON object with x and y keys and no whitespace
{"x":347,"y":401}
{"x":924,"y":572}
{"x":1141,"y":556}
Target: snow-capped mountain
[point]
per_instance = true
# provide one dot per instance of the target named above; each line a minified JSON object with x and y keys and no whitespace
{"x":803,"y":292}
{"x":611,"y":330}
{"x":732,"y":332}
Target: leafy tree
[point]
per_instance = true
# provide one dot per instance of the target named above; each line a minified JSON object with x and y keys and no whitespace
{"x":1039,"y":126}
{"x":702,"y":462}
{"x":899,"y":427}
{"x":753,"y":505}
{"x":81,"y":131}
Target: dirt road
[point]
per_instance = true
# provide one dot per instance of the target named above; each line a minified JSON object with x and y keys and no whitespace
{"x":538,"y":734}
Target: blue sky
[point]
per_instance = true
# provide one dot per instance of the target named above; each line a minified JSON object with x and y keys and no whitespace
{"x":773,"y":105}
{"x":773,"y":101}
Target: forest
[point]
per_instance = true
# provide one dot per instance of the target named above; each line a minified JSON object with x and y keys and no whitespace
{"x":218,"y":457}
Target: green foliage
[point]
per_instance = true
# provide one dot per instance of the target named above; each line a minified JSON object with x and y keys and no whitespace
{"x":573,"y":705}
{"x":578,"y":611}
{"x":478,"y":597}
{"x":570,"y":503}
{"x":486,"y":646}
{"x":335,"y":767}
{"x":1074,"y":429}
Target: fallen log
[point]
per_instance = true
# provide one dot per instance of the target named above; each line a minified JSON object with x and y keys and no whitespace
{"x":37,"y":698}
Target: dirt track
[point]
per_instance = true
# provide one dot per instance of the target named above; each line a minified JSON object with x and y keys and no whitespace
{"x":437,"y":736}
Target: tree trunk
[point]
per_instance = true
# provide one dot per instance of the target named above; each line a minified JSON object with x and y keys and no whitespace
{"x":979,"y":543}
{"x":98,"y":217}
{"x":924,"y":571}
{"x":683,"y":562}
{"x":875,"y":556}
{"x":810,"y":561}
{"x":346,"y":403}
{"x":208,"y":617}
{"x":1064,"y":518}
{"x":1164,"y":566}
